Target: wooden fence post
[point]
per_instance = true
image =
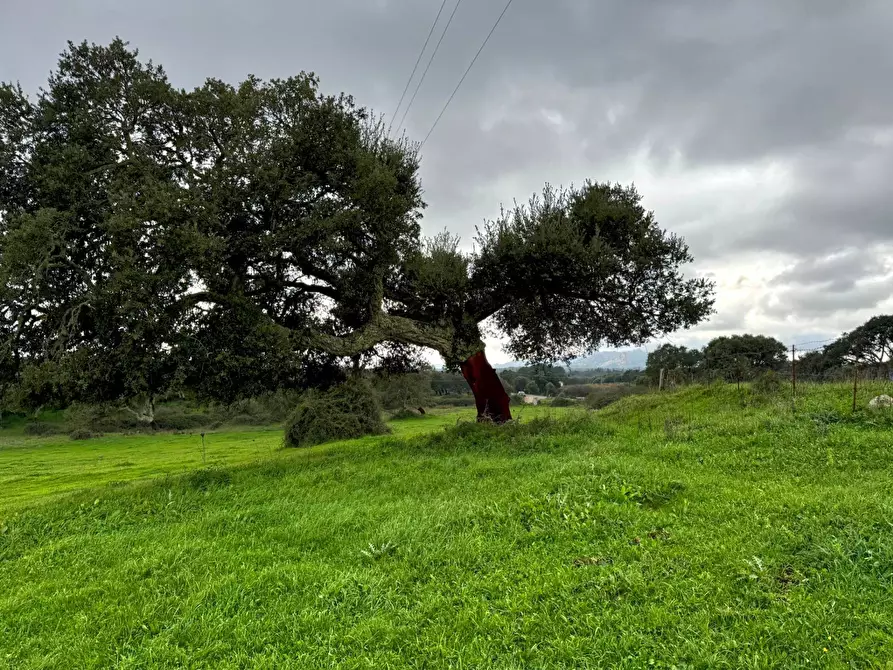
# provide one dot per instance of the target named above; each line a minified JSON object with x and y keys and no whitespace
{"x":855,"y":384}
{"x":660,"y":383}
{"x":794,"y":376}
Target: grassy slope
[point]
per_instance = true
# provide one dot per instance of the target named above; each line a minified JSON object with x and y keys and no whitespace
{"x":35,"y":468}
{"x":683,"y":529}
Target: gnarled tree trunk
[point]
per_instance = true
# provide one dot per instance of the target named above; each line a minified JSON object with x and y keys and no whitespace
{"x":490,"y":397}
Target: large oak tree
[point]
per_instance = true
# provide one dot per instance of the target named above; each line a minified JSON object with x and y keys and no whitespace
{"x":133,"y":213}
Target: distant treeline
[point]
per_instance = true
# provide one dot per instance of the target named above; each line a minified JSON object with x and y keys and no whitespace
{"x":744,"y":357}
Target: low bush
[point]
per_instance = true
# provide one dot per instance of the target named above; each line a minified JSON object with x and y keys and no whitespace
{"x":80,"y":434}
{"x":346,"y":411}
{"x":767,"y":383}
{"x":246,"y":420}
{"x":577,"y":390}
{"x":454,"y":401}
{"x":605,"y":394}
{"x":110,"y":419}
{"x":42,"y":428}
{"x":264,"y":410}
{"x":179,"y":418}
{"x":101,"y":419}
{"x":405,"y":413}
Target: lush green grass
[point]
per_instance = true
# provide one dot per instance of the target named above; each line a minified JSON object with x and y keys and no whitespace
{"x":703,"y":528}
{"x":35,"y":468}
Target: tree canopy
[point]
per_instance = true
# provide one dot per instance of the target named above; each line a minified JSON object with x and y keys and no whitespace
{"x":870,"y":343}
{"x":670,"y":357}
{"x":150,"y":234}
{"x":739,"y":356}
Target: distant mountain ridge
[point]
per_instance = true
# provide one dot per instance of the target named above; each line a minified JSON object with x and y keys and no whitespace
{"x":626,"y":359}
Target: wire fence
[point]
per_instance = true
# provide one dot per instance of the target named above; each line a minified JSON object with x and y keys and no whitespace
{"x":793,"y":376}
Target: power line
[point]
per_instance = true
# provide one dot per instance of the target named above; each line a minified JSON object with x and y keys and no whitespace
{"x":428,"y":66}
{"x":416,"y":66}
{"x":803,"y":344}
{"x":468,"y":69}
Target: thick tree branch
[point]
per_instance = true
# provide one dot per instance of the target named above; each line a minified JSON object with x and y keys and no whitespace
{"x":391,"y":328}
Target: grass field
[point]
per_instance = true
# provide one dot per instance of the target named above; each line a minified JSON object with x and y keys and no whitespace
{"x":704,"y":528}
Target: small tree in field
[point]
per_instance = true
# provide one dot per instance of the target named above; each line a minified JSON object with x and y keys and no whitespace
{"x":131,"y":209}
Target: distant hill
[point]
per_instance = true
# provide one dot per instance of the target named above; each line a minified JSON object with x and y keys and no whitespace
{"x":627,"y":359}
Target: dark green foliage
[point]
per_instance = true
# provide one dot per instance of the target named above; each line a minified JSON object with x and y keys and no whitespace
{"x":742,"y":356}
{"x":42,"y":428}
{"x":466,"y":400}
{"x":124,"y":195}
{"x":81,"y":434}
{"x":100,"y":418}
{"x":405,"y":413}
{"x":606,"y":394}
{"x":768,"y":383}
{"x":44,"y":384}
{"x":870,"y":343}
{"x":813,"y":364}
{"x":583,"y":268}
{"x":174,"y":418}
{"x":576,"y":390}
{"x":346,"y":411}
{"x":233,"y":353}
{"x":264,"y":410}
{"x":671,"y":357}
{"x":232,"y":240}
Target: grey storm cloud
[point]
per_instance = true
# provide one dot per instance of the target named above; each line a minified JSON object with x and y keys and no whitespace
{"x":836,"y":273}
{"x":574,"y":89}
{"x":829,"y":302}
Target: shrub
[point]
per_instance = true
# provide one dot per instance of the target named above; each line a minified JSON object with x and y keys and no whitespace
{"x":80,"y":434}
{"x":264,"y":410}
{"x":564,"y":402}
{"x":42,"y":428}
{"x":454,"y":401}
{"x":605,"y":394}
{"x":405,"y":413}
{"x":247,"y":420}
{"x":346,"y":411}
{"x":100,"y":418}
{"x":767,"y":383}
{"x":577,"y":390}
{"x":177,"y":418}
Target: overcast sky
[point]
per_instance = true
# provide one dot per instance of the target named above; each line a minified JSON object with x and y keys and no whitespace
{"x":760,"y":130}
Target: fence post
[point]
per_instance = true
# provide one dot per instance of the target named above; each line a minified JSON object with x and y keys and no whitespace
{"x":660,"y":383}
{"x":855,"y":385}
{"x":794,"y":376}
